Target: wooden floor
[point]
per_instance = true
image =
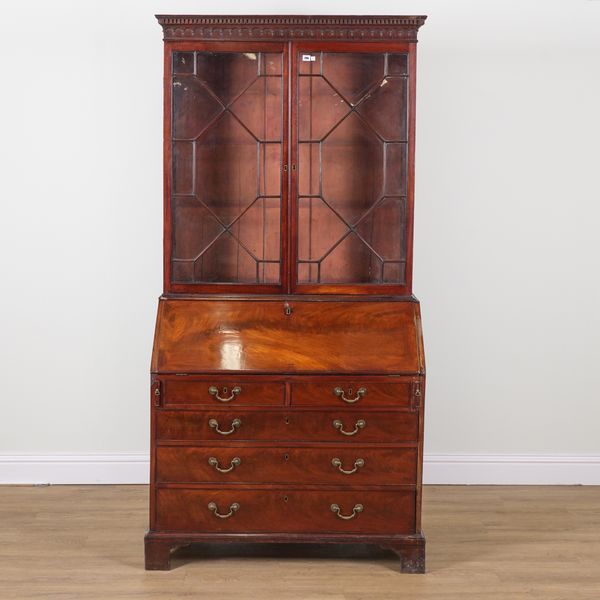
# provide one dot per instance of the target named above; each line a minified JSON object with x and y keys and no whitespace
{"x":85,"y":542}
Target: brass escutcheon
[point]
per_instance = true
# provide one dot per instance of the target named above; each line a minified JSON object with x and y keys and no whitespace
{"x":360,"y":392}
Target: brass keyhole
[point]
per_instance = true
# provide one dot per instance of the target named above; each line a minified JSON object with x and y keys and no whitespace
{"x":285,"y":498}
{"x":224,"y":391}
{"x":286,"y":420}
{"x":286,"y":456}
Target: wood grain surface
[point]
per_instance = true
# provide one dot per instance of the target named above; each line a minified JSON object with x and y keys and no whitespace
{"x":200,"y":336}
{"x":301,"y":426}
{"x":284,"y":510}
{"x":287,"y":464}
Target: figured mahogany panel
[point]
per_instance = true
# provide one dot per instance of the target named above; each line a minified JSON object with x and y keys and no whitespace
{"x":195,"y":336}
{"x":353,"y":392}
{"x":224,"y":426}
{"x":363,"y":465}
{"x":285,"y":510}
{"x":183,"y":392}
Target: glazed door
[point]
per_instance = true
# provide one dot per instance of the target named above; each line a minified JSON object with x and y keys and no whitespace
{"x":350,"y":140}
{"x":226,"y":118}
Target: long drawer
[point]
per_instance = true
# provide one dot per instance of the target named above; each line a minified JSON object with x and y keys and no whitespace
{"x":356,"y":465}
{"x":309,"y":426}
{"x":285,"y":511}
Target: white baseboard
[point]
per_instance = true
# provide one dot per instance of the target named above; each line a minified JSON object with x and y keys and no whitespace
{"x":74,"y":468}
{"x":512,"y":469}
{"x":456,"y":469}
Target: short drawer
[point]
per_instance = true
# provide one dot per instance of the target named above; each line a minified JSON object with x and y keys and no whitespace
{"x":354,"y":465}
{"x":354,"y":393}
{"x":308,"y":426}
{"x":285,"y":511}
{"x":180,"y":392}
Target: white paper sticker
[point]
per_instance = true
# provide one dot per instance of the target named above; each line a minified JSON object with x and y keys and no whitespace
{"x":308,"y":58}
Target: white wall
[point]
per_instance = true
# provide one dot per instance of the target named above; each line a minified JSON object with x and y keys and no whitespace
{"x":507,"y":248}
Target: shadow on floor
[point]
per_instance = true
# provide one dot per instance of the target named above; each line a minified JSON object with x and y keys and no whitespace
{"x":282,"y":551}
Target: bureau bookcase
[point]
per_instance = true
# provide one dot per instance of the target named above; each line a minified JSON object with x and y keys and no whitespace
{"x":288,"y":374}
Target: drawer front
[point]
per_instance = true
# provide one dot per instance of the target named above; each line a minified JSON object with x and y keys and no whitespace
{"x":185,"y":392}
{"x":285,"y":511}
{"x":357,"y":393}
{"x":353,"y":465}
{"x":310,"y":426}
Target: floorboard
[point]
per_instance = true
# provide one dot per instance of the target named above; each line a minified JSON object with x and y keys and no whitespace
{"x":483,"y":542}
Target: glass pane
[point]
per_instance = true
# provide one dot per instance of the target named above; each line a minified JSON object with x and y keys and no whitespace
{"x":226,"y":74}
{"x":353,"y":75}
{"x":384,"y":109}
{"x":269,"y":167}
{"x":194,"y":107}
{"x":352,"y":168}
{"x":259,"y":108}
{"x":271,"y":64}
{"x":258,"y":229}
{"x":196,"y":228}
{"x":309,"y":63}
{"x":225,"y":261}
{"x":321,"y":108}
{"x":309,"y":172}
{"x":319,"y":229}
{"x":374,"y":227}
{"x":183,"y":62}
{"x":397,"y":64}
{"x":226,"y":167}
{"x":351,"y":261}
{"x":183,"y":167}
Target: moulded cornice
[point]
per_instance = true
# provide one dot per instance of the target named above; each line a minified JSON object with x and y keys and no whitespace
{"x":290,"y":27}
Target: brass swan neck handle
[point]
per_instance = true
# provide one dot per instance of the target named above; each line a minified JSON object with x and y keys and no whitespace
{"x":358,"y":508}
{"x":360,"y":424}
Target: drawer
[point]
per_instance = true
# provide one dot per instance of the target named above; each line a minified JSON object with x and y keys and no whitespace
{"x":302,"y":426}
{"x":354,"y":393}
{"x":182,"y":392}
{"x":285,"y":511}
{"x":354,"y":465}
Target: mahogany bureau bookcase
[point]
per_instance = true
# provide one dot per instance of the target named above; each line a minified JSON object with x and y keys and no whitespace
{"x":288,"y":374}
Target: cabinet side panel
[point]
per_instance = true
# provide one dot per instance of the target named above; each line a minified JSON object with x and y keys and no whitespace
{"x":410,"y":195}
{"x":167,"y":242}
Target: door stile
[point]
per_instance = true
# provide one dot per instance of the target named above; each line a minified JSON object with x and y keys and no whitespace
{"x":293,"y":190}
{"x":286,"y":227}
